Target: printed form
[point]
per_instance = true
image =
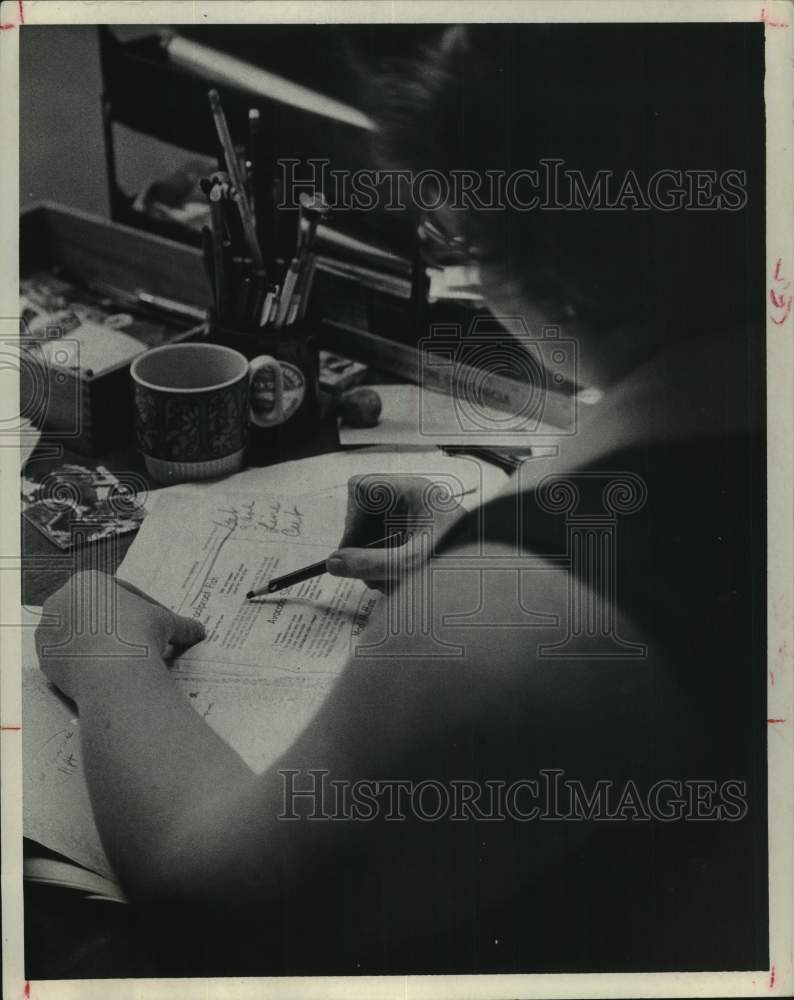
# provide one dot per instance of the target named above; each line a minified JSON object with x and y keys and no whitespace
{"x":267,"y":664}
{"x":201,"y":558}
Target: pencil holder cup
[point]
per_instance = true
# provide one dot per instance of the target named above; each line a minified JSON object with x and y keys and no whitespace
{"x":195,"y":405}
{"x":294,"y":349}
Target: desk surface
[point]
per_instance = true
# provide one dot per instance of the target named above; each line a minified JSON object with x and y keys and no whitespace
{"x":45,"y":567}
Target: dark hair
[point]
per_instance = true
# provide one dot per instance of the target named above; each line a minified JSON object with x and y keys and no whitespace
{"x":599,"y":97}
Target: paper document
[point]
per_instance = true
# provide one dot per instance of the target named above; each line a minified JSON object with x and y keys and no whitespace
{"x":267,"y":664}
{"x":64,"y":875}
{"x":56,"y":809}
{"x":330,"y":474}
{"x":199,"y":555}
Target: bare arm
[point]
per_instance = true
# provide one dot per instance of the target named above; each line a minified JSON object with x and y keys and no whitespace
{"x":183,"y":819}
{"x":163,"y":785}
{"x":153,"y":766}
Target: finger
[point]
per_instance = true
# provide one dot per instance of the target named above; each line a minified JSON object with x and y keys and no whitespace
{"x":185,"y":631}
{"x":372,"y":498}
{"x":370,"y":565}
{"x":178,"y":630}
{"x":362,"y":525}
{"x":361,"y":530}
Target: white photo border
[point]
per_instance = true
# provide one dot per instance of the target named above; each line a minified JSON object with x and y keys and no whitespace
{"x":778,"y":18}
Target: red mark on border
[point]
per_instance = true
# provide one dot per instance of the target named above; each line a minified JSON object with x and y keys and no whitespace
{"x":772,"y":978}
{"x":26,"y":990}
{"x":772,"y":24}
{"x":778,"y":296}
{"x":775,"y":720}
{"x":14,"y":24}
{"x":10,"y":729}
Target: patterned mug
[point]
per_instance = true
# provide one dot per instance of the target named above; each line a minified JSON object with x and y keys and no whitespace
{"x":193,"y":407}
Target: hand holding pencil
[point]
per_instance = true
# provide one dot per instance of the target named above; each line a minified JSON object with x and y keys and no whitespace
{"x":317,"y":569}
{"x":379,"y":547}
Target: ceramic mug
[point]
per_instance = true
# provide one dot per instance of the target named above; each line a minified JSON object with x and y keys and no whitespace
{"x":193,"y":407}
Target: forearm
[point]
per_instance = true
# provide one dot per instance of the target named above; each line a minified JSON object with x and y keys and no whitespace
{"x":162,"y":783}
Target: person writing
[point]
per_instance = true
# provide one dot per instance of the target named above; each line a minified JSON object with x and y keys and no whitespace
{"x":505,"y":684}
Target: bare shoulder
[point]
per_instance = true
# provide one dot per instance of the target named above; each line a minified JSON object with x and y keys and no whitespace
{"x":490,"y":599}
{"x":483,"y":623}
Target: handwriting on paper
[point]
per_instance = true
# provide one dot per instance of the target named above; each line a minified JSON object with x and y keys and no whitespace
{"x":7,"y":25}
{"x":61,"y":754}
{"x":779,"y":294}
{"x":274,"y":517}
{"x":200,"y":558}
{"x":766,"y":19}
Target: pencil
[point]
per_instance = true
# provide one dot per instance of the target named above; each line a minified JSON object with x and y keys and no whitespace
{"x":312,"y":209}
{"x":206,"y":256}
{"x":233,"y":165}
{"x":253,"y":155}
{"x":305,"y":265}
{"x":258,"y":293}
{"x":274,"y":307}
{"x":294,"y":309}
{"x":286,"y":295}
{"x":219,"y":269}
{"x":239,"y":152}
{"x":317,"y":569}
{"x":267,"y":307}
{"x":307,"y":287}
